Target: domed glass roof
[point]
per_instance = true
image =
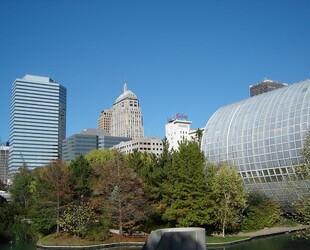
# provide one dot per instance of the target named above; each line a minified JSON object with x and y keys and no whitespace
{"x":127,"y":94}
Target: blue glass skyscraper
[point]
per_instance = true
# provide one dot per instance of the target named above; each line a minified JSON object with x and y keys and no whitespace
{"x":37,"y":122}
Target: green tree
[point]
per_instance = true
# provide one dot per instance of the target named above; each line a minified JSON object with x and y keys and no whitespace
{"x":81,"y":173}
{"x":302,"y":204}
{"x":15,"y":224}
{"x":101,"y":156}
{"x":152,"y":169}
{"x":121,"y":194}
{"x":186,"y":201}
{"x":198,"y":138}
{"x":19,"y":227}
{"x":230,"y":197}
{"x":20,"y":188}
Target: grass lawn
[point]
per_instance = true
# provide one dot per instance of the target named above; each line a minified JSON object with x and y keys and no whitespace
{"x":226,"y":239}
{"x":66,"y":240}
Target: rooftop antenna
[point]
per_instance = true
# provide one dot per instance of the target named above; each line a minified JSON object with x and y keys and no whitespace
{"x":125,"y":86}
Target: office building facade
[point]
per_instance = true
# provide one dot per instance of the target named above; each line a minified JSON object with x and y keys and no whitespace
{"x":104,"y":120}
{"x":148,"y":144}
{"x":263,"y":136}
{"x":37,"y":123}
{"x":78,"y":144}
{"x":177,"y":130}
{"x":88,"y":140}
{"x":265,"y":86}
{"x":4,"y":163}
{"x":125,"y":118}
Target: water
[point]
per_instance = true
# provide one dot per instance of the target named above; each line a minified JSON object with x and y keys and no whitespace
{"x":278,"y":242}
{"x":29,"y":246}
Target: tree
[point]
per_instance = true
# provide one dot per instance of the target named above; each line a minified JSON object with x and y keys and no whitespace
{"x":229,"y":195}
{"x":198,"y":138}
{"x":76,"y":218}
{"x":20,"y":188}
{"x":152,"y":169}
{"x":186,"y":201}
{"x":121,"y":193}
{"x":52,"y":190}
{"x":101,"y":156}
{"x":302,"y":204}
{"x":80,"y":172}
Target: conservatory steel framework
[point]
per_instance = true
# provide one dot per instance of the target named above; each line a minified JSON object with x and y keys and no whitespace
{"x":263,"y":136}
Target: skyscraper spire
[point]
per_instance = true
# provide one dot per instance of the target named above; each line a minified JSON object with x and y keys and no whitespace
{"x":125,"y":86}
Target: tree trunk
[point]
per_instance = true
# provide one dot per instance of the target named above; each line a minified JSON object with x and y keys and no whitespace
{"x":57,"y":222}
{"x":120,"y":221}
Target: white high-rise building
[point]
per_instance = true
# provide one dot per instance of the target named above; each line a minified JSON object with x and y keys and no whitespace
{"x":127,"y":119}
{"x":38,"y":122}
{"x":177,"y":130}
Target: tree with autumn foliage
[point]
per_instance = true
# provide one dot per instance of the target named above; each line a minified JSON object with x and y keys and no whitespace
{"x":120,"y":192}
{"x":52,"y":190}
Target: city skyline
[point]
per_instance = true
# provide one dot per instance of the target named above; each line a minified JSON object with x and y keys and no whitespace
{"x":176,"y":56}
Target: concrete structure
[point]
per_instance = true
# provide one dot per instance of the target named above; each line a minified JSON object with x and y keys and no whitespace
{"x":104,"y":121}
{"x":4,"y":163}
{"x":177,"y":130}
{"x":186,"y":238}
{"x":87,"y":140}
{"x":149,"y":144}
{"x":124,"y":119}
{"x":38,"y":122}
{"x":263,"y":136}
{"x":265,"y":86}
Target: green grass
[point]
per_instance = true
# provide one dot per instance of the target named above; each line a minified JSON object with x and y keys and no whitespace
{"x":226,"y":239}
{"x":65,"y":240}
{"x":284,"y":222}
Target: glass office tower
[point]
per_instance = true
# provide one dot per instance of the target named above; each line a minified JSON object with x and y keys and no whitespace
{"x":262,"y":136}
{"x":37,"y":122}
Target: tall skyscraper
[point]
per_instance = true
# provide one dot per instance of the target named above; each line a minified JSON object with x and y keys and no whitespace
{"x":125,"y":118}
{"x":37,"y":123}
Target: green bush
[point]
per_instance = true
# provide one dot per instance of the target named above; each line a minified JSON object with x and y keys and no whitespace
{"x":262,"y":212}
{"x":97,"y":231}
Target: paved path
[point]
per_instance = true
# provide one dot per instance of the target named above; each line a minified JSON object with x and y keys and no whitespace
{"x":273,"y":230}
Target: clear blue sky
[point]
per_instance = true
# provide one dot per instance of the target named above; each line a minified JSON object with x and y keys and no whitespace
{"x":189,"y":57}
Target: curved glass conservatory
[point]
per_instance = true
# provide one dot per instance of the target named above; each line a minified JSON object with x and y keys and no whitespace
{"x":262,"y":136}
